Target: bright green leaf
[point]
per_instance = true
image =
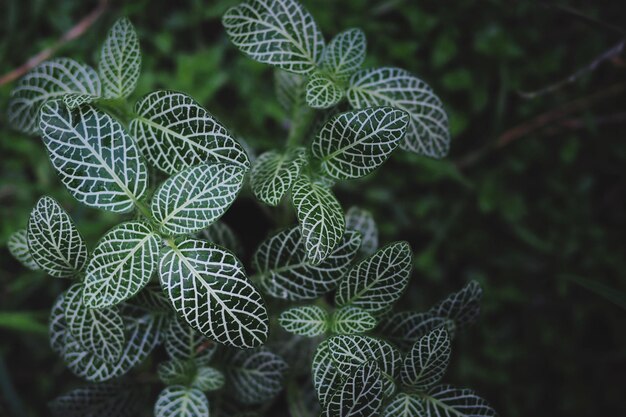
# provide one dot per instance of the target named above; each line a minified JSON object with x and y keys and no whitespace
{"x":322,"y":92}
{"x":352,"y":320}
{"x":345,"y":53}
{"x":120,"y":60}
{"x":305,"y":320}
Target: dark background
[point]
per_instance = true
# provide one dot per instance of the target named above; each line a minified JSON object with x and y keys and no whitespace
{"x":530,"y":201}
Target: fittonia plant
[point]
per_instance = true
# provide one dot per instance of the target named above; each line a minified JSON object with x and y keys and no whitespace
{"x":168,"y":275}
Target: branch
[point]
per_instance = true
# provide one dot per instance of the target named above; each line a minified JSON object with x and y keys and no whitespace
{"x":75,"y":32}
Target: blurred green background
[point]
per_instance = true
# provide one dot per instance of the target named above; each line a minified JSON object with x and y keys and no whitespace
{"x":530,"y":202}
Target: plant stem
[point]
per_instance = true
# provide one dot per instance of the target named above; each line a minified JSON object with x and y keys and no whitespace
{"x":302,"y":117}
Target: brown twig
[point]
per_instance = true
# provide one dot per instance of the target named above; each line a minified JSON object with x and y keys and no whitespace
{"x":75,"y":32}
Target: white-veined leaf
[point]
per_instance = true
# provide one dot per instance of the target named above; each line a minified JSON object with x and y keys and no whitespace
{"x":18,"y":247}
{"x":305,"y":320}
{"x":276,"y":32}
{"x":273,"y":174}
{"x":352,"y":320}
{"x":177,"y":372}
{"x":120,"y":60}
{"x":109,"y":399}
{"x":121,"y":265}
{"x":208,"y":379}
{"x":345,"y":53}
{"x":427,"y":361}
{"x":326,"y":375}
{"x":322,"y":92}
{"x":322,"y":222}
{"x":360,"y":396}
{"x":183,"y":342}
{"x":50,"y":80}
{"x":221,"y":234}
{"x":377,"y":282}
{"x":289,"y":88}
{"x":363,"y":222}
{"x":53,"y":240}
{"x":463,"y":306}
{"x":284,"y":271}
{"x":355,"y":143}
{"x":73,"y":101}
{"x":96,"y":159}
{"x":427,"y":133}
{"x":404,"y":405}
{"x":196,"y":197}
{"x":174,"y":132}
{"x":255,"y":376}
{"x":57,"y":325}
{"x":445,"y":401}
{"x":404,"y":328}
{"x":100,"y":332}
{"x":179,"y":401}
{"x":208,"y":287}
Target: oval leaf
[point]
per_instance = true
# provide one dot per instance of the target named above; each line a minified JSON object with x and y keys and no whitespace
{"x":273,"y":174}
{"x":322,"y":92}
{"x":404,"y":405}
{"x":363,"y":222}
{"x":179,"y":401}
{"x":120,"y":60}
{"x":305,"y":321}
{"x":344,"y":54}
{"x":208,"y":379}
{"x":352,"y":320}
{"x":18,"y":247}
{"x":404,"y":328}
{"x":326,"y":376}
{"x":360,"y":396}
{"x":426,"y":362}
{"x":463,"y":306}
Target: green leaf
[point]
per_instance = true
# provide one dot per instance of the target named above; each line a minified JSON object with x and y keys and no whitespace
{"x":121,"y":265}
{"x":355,"y":143}
{"x":120,"y":60}
{"x":377,"y":282}
{"x":50,"y":80}
{"x":404,"y":328}
{"x":345,"y":53}
{"x":73,"y":101}
{"x":322,"y":92}
{"x":221,"y":234}
{"x":362,"y":221}
{"x":326,"y":375}
{"x":57,"y":325}
{"x":427,"y":361}
{"x":53,"y":240}
{"x":174,"y":132}
{"x":96,"y":159}
{"x":196,"y":197}
{"x":352,"y":320}
{"x":101,"y":332}
{"x":427,"y":132}
{"x":177,"y":372}
{"x":360,"y":396}
{"x":178,"y":401}
{"x":273,"y":174}
{"x":305,"y":321}
{"x":445,"y":400}
{"x":276,"y":32}
{"x":289,"y":88}
{"x":463,"y":306}
{"x":183,"y":342}
{"x":321,"y":218}
{"x":255,"y":376}
{"x":18,"y":247}
{"x":208,"y":287}
{"x":404,"y":405}
{"x":97,"y":400}
{"x":285,"y":273}
{"x":208,"y":379}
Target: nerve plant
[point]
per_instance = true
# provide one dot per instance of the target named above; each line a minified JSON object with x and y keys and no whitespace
{"x":169,"y":274}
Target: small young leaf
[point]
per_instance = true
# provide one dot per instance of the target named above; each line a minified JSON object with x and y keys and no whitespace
{"x":463,"y":306}
{"x":363,"y":222}
{"x":208,"y":379}
{"x":208,"y":287}
{"x":404,"y":405}
{"x":276,"y":32}
{"x":221,"y":234}
{"x":120,"y":60}
{"x":179,"y":401}
{"x":273,"y":174}
{"x":196,"y":197}
{"x":326,"y":376}
{"x":174,"y":132}
{"x":49,"y":80}
{"x":427,"y":132}
{"x":53,"y":240}
{"x":286,"y":273}
{"x":73,"y":101}
{"x":101,"y":332}
{"x":97,"y":400}
{"x":96,"y":159}
{"x":404,"y":328}
{"x":377,"y":282}
{"x":321,"y":218}
{"x":355,"y":143}
{"x":345,"y":53}
{"x":255,"y":376}
{"x":352,"y":320}
{"x":121,"y":265}
{"x":177,"y":372}
{"x":18,"y":247}
{"x":322,"y":92}
{"x":445,"y":400}
{"x":360,"y":396}
{"x":289,"y":88}
{"x":305,"y":321}
{"x":427,"y":361}
{"x":183,"y":342}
